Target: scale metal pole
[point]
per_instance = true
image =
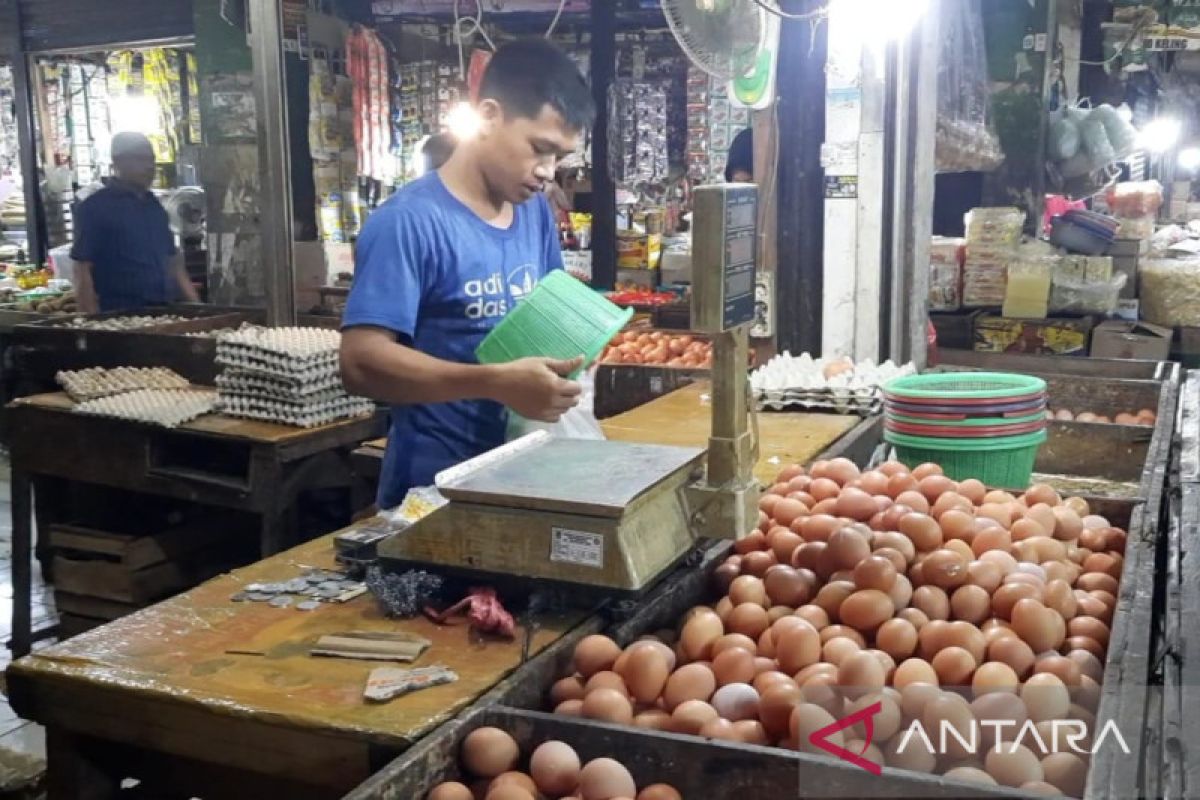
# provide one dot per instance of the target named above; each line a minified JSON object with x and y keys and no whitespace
{"x":274,"y":163}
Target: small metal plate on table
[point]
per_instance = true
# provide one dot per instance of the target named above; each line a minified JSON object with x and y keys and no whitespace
{"x":597,"y":478}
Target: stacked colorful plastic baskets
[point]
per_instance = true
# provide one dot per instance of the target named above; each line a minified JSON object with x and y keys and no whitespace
{"x":983,"y":425}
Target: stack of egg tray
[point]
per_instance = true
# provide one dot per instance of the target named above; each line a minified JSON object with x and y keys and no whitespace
{"x":169,"y":408}
{"x":285,"y":375}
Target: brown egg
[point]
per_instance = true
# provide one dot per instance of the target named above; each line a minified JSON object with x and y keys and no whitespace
{"x":701,"y":632}
{"x":1009,"y":595}
{"x":832,"y":595}
{"x":1040,"y":627}
{"x":866,"y":609}
{"x":991,"y":539}
{"x":1000,"y":512}
{"x":1042,"y":493}
{"x":606,"y":680}
{"x":797,"y":648}
{"x":776,"y":613}
{"x":1087,"y":694}
{"x":949,"y":711}
{"x":692,"y":715}
{"x":775,"y":708}
{"x":1090,"y":628}
{"x":1089,"y":664}
{"x":835,"y":651}
{"x":748,"y":619}
{"x":751,"y":543}
{"x":875,"y":572}
{"x":731,"y":641}
{"x":998,"y":496}
{"x":1014,"y":652}
{"x":971,"y":603}
{"x":954,"y":666}
{"x":914,"y":616}
{"x":735,"y":665}
{"x":1068,"y":524}
{"x":847,"y":547}
{"x":1046,"y":697}
{"x":814,"y":615}
{"x":945,"y":569}
{"x":931,"y":601}
{"x":923,"y":471}
{"x":809,"y":556}
{"x":788,"y":586}
{"x":1058,"y":595}
{"x":689,"y":682}
{"x":859,"y":674}
{"x":915,"y":756}
{"x":659,"y":791}
{"x":594,"y":654}
{"x":820,"y":670}
{"x":653,"y":719}
{"x":1066,"y":772}
{"x":968,"y":637}
{"x":570,"y":708}
{"x":998,"y":707}
{"x":451,"y":790}
{"x":570,"y":688}
{"x":994,"y":676}
{"x":897,"y":638}
{"x":914,"y":697}
{"x":1013,"y":765}
{"x":608,"y":705}
{"x":605,"y":779}
{"x":934,"y":486}
{"x":488,"y":752}
{"x":1066,"y":669}
{"x":787,"y":511}
{"x":948,"y":503}
{"x":757,"y":563}
{"x":922,"y":530}
{"x":900,"y":483}
{"x":554,"y":767}
{"x":973,"y":490}
{"x":1024,"y":529}
{"x":901,"y":593}
{"x":957,"y":525}
{"x":748,"y":589}
{"x":969,"y":775}
{"x":1001,"y":559}
{"x":986,"y":576}
{"x":855,"y":504}
{"x":914,"y":670}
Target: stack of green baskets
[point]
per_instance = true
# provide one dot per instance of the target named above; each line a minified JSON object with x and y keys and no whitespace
{"x":983,"y":425}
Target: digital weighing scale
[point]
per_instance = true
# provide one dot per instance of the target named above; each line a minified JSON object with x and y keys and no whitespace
{"x":612,"y":517}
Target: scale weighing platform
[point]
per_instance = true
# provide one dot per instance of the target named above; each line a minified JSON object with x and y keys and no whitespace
{"x":572,"y":511}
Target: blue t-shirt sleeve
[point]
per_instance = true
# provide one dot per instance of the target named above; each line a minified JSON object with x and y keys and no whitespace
{"x":553,"y":256}
{"x":86,"y":246}
{"x":390,"y":277}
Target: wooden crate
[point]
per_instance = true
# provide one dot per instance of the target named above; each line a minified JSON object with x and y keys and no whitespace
{"x":623,"y":387}
{"x":698,"y":768}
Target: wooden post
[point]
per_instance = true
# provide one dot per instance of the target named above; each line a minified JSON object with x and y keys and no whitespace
{"x":603,"y":69}
{"x":801,"y":196}
{"x":270,"y":96}
{"x":35,"y":213}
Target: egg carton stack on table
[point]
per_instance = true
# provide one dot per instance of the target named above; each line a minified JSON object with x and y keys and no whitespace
{"x":285,"y":375}
{"x":840,"y":385}
{"x":96,"y":382}
{"x":169,"y":408}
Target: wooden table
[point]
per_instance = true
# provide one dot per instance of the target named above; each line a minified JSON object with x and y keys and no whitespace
{"x":683,"y":418}
{"x":159,"y":696}
{"x":250,"y":466}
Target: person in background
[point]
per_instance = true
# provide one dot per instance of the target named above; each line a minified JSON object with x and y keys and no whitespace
{"x":124,"y":251}
{"x":447,"y":257}
{"x":739,"y":164}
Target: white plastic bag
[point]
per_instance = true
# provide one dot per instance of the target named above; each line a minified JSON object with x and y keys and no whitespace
{"x":578,"y":423}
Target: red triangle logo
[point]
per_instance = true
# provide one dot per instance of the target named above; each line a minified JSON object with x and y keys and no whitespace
{"x":821,"y":738}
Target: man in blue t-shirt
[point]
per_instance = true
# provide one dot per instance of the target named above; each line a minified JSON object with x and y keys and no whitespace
{"x":447,"y":257}
{"x":124,"y":250}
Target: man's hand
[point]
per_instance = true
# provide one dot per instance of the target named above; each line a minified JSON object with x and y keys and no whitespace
{"x":537,"y":388}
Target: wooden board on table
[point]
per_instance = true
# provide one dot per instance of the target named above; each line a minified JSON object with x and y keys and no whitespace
{"x":214,"y":424}
{"x":163,"y":679}
{"x":683,"y":418}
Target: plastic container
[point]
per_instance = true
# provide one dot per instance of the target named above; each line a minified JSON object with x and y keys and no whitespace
{"x":1080,"y":237}
{"x":1001,"y":462}
{"x":982,"y":433}
{"x":561,"y":318}
{"x":971,"y":425}
{"x":964,"y":388}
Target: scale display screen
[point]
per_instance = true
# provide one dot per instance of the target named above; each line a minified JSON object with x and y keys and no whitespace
{"x":724,"y":256}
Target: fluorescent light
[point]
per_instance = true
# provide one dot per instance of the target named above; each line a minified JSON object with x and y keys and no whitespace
{"x":1189,"y":158}
{"x":463,"y":122}
{"x":881,"y":21}
{"x":136,"y":113}
{"x":1160,"y":134}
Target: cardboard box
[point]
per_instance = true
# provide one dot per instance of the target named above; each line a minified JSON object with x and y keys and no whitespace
{"x":1055,"y":337}
{"x":1129,"y":247}
{"x":1127,"y":265}
{"x":1138,"y":340}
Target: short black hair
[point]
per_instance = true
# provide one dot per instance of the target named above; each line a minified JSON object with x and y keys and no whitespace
{"x":741,"y":154}
{"x":525,"y":75}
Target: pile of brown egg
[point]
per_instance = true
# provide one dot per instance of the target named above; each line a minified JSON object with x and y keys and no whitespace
{"x":945,"y":602}
{"x":491,"y":756}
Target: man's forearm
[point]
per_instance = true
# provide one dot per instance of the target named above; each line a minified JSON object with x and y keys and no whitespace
{"x":400,"y":375}
{"x":85,"y":291}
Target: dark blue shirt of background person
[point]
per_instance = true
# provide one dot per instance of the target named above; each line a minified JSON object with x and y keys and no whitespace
{"x":124,"y":234}
{"x":124,"y":250}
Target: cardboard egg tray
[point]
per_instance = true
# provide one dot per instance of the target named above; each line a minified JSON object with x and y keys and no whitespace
{"x":286,"y":343}
{"x":96,"y":382}
{"x":271,"y":388}
{"x":864,"y":401}
{"x":284,"y":368}
{"x":169,"y":408}
{"x":302,"y":415}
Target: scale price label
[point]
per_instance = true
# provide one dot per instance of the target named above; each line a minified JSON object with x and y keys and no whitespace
{"x":577,"y":547}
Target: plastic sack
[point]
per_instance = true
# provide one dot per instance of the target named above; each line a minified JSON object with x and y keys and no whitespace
{"x":1064,"y":139}
{"x":578,"y":423}
{"x":966,"y":139}
{"x":1135,"y":199}
{"x":1086,"y":297}
{"x":1170,"y":290}
{"x":945,"y":274}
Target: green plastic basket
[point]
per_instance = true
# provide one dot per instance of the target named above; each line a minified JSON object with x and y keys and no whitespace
{"x":974,"y":422}
{"x":1003,"y":461}
{"x":964,"y":386}
{"x":561,"y":318}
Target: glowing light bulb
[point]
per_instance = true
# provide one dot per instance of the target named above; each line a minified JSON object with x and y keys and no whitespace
{"x":1189,"y":158}
{"x":1160,"y":135}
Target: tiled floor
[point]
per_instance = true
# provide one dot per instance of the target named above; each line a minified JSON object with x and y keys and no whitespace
{"x":16,"y":734}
